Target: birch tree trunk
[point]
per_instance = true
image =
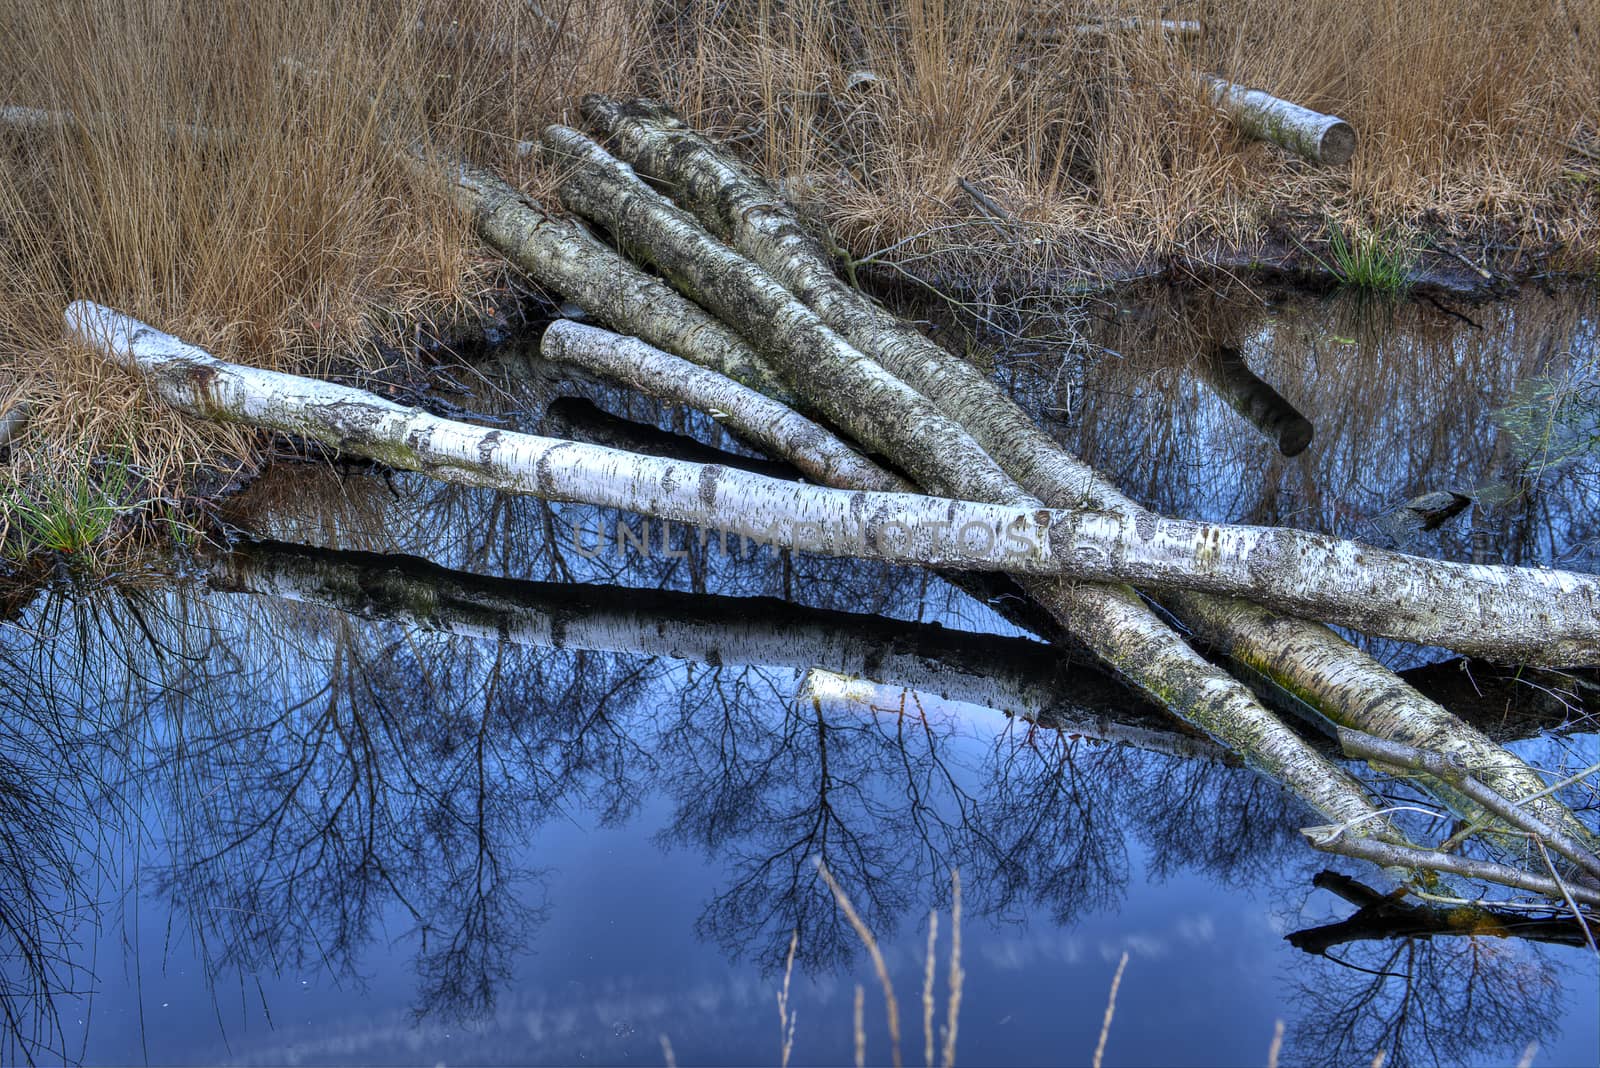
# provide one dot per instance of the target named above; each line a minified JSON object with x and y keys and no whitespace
{"x":563,"y":256}
{"x":1306,"y":659}
{"x":894,"y":527}
{"x":1111,"y":621}
{"x":858,"y":392}
{"x":1310,"y":134}
{"x":766,"y":423}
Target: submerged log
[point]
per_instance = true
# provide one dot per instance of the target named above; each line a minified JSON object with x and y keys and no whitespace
{"x":1224,"y":370}
{"x":1381,"y":916}
{"x":1322,"y":672}
{"x":1310,"y":134}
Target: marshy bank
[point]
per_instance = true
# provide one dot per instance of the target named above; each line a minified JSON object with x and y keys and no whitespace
{"x":1420,"y":472}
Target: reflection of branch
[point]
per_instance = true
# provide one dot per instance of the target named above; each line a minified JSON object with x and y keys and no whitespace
{"x":1381,"y":917}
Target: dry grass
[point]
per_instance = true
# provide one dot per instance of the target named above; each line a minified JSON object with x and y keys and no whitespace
{"x":285,"y":232}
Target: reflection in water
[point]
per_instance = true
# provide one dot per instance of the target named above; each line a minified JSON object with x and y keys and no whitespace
{"x":1427,"y":986}
{"x":313,"y":754}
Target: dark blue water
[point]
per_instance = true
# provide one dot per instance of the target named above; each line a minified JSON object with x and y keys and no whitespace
{"x":307,"y":802}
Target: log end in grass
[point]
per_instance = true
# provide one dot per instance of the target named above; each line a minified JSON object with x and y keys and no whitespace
{"x":1309,"y":134}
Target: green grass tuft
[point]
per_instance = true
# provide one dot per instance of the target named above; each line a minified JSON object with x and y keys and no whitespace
{"x":69,"y":512}
{"x":1376,"y":260}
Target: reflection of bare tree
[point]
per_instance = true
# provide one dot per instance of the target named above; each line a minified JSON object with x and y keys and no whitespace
{"x":306,"y":772}
{"x":1401,"y":984}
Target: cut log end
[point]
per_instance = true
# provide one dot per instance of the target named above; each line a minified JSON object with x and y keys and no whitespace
{"x":1338,"y":144}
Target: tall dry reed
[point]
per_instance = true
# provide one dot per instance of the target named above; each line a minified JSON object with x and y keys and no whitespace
{"x":266,"y":216}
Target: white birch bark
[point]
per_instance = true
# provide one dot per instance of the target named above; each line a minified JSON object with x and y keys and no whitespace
{"x":845,"y":385}
{"x":1310,"y":134}
{"x":1111,"y":620}
{"x":774,"y":427}
{"x":564,"y":257}
{"x":19,"y":117}
{"x":1306,"y":659}
{"x":898,"y":528}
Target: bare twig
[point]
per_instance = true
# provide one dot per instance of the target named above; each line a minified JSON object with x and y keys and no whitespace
{"x":1451,"y":771}
{"x":1394,"y":856}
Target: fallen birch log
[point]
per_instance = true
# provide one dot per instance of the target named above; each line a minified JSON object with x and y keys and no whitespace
{"x":1456,"y":777}
{"x":766,"y":423}
{"x":14,"y":421}
{"x":1180,"y":29}
{"x":1114,"y":623}
{"x":1310,"y":134}
{"x":564,"y":257}
{"x":1406,"y":597}
{"x":860,"y":394}
{"x":1304,"y":659}
{"x":1110,"y":619}
{"x":20,"y":117}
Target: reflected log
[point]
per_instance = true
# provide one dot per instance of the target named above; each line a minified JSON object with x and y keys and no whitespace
{"x":833,"y":688}
{"x":1013,"y":675}
{"x":1224,"y":370}
{"x":1382,"y":916}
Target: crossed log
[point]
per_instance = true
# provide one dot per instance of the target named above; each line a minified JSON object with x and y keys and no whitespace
{"x":915,"y":457}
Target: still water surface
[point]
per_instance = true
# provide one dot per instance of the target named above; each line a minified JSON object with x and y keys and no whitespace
{"x":410,"y":777}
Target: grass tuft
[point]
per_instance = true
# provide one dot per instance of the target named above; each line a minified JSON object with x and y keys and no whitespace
{"x":1377,"y":260}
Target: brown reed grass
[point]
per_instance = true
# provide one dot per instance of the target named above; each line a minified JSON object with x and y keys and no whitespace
{"x":269,"y":220}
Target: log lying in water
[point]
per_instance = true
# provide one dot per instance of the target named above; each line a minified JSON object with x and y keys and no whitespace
{"x":1310,"y":134}
{"x":1321,"y":575}
{"x":882,"y":412}
{"x":1320,"y":670}
{"x":766,"y":423}
{"x":1330,"y":840}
